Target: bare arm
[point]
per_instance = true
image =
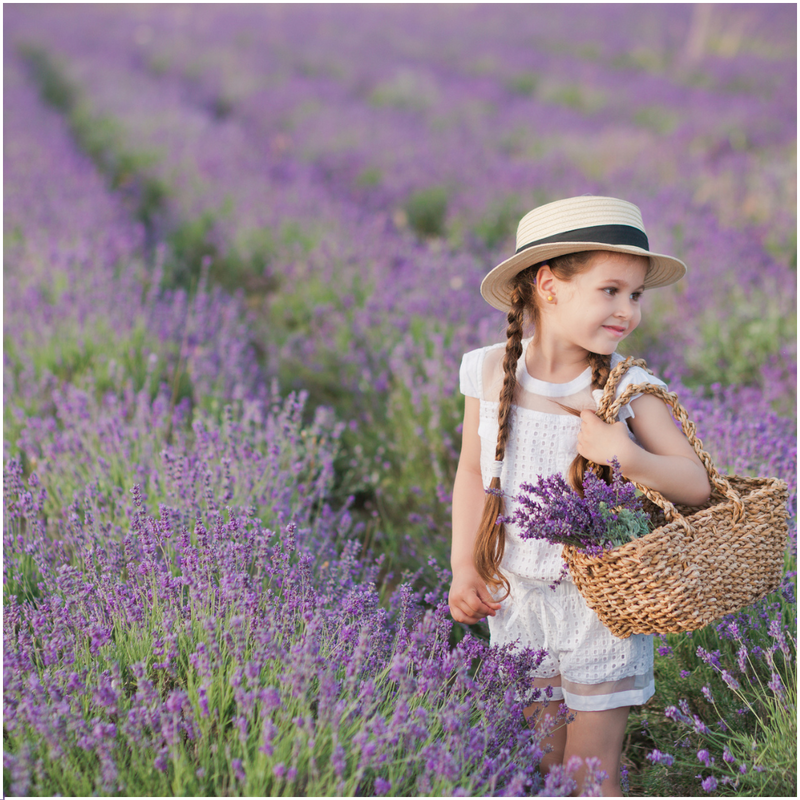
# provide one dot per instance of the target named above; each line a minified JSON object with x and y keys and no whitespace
{"x":665,"y":461}
{"x":470,"y":600}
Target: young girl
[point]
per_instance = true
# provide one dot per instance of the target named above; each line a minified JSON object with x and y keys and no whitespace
{"x":577,"y":277}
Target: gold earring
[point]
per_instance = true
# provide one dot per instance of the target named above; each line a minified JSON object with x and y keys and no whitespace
{"x":550,"y":298}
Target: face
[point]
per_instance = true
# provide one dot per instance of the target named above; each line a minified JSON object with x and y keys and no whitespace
{"x":600,"y":306}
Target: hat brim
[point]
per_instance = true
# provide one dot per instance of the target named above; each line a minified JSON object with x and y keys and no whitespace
{"x":496,"y":286}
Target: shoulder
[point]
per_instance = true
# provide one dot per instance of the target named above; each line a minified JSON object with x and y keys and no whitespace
{"x":471,"y":371}
{"x":634,"y":376}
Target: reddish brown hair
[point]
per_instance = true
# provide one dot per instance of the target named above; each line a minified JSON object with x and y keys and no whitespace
{"x":490,"y":542}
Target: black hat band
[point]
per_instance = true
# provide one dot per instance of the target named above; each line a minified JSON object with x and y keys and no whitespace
{"x":602,"y":234}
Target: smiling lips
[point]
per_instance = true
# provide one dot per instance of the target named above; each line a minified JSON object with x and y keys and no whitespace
{"x":615,"y":330}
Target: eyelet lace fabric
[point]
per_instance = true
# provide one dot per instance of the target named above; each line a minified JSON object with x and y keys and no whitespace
{"x":590,"y":668}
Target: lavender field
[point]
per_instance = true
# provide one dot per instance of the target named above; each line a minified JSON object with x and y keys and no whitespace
{"x":242,"y":252}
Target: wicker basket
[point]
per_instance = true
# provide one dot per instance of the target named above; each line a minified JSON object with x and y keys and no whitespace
{"x":701,"y":562}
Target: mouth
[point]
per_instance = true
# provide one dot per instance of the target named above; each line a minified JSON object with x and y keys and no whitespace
{"x":615,"y":330}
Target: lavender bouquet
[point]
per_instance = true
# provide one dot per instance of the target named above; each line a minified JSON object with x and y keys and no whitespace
{"x":608,"y":515}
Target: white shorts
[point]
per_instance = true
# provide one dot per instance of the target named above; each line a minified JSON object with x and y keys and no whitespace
{"x":592,"y":670}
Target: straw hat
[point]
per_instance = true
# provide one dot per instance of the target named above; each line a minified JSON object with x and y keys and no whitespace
{"x":572,"y":226}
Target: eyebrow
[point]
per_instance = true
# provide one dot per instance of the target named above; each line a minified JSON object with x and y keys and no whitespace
{"x":622,"y":283}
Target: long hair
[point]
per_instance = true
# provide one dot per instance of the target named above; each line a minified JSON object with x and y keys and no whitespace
{"x":490,"y":542}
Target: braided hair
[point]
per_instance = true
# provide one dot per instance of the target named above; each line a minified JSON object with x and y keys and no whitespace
{"x":490,"y":541}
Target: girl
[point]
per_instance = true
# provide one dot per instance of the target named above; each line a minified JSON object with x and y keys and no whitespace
{"x":578,"y":276}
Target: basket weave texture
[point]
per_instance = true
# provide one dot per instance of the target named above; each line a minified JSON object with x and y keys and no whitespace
{"x":700,"y":562}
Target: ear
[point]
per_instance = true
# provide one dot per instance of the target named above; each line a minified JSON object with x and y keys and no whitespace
{"x":545,"y":282}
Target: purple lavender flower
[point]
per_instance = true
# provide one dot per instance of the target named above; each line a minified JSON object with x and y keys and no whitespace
{"x":729,"y":679}
{"x":704,"y":757}
{"x":606,"y":516}
{"x":776,"y":685}
{"x":238,"y":769}
{"x":657,"y":757}
{"x":709,"y":784}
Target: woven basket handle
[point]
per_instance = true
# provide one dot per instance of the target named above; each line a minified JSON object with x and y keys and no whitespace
{"x":608,"y":409}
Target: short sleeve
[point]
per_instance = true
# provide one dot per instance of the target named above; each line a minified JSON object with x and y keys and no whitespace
{"x":470,"y":374}
{"x":633,"y":376}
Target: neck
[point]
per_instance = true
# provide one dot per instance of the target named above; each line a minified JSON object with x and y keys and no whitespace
{"x":554,"y":361}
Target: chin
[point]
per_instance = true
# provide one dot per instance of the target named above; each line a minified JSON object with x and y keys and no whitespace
{"x":606,"y":350}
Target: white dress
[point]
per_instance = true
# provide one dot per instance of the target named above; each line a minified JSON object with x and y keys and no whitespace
{"x":591,"y":668}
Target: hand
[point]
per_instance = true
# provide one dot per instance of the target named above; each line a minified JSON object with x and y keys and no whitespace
{"x":600,"y":442}
{"x":470,"y":600}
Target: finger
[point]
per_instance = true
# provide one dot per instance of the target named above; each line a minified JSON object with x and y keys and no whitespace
{"x":480,"y":609}
{"x":588,"y":417}
{"x":472,"y":606}
{"x":487,"y":599}
{"x":456,"y":613}
{"x":461,"y":615}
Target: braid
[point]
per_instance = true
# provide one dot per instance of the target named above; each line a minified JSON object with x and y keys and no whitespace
{"x":601,"y":367}
{"x":512,"y":356}
{"x":490,"y":542}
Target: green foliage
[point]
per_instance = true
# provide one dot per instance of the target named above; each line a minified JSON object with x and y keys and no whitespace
{"x":574,"y":95}
{"x":414,"y":449}
{"x":55,"y":88}
{"x":244,"y":265}
{"x":656,"y":119}
{"x":590,"y":51}
{"x":765,"y":741}
{"x":412,"y":491}
{"x":784,"y":250}
{"x":190,"y":242}
{"x":222,"y":107}
{"x":189,"y":248}
{"x":406,"y":91}
{"x":158,"y":63}
{"x":97,"y":358}
{"x":524,"y":84}
{"x":645,"y":59}
{"x":369,"y":177}
{"x":100,"y":136}
{"x":759,"y":727}
{"x":25,"y":578}
{"x":427,"y":211}
{"x":775,"y":750}
{"x":628,"y":526}
{"x":499,"y":223}
{"x":12,"y":239}
{"x":733,"y":346}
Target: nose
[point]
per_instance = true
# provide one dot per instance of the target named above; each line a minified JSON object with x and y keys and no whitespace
{"x":626,"y":308}
{"x":623,"y":311}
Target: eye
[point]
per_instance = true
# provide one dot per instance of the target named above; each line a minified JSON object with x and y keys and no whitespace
{"x":636,"y":296}
{"x":612,"y":290}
